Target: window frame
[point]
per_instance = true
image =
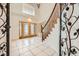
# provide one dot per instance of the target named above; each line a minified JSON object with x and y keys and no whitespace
{"x":21,"y":30}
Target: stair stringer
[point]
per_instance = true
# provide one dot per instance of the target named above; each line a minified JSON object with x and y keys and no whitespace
{"x":53,"y":38}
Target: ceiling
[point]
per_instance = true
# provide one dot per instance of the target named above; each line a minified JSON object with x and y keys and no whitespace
{"x":35,"y":5}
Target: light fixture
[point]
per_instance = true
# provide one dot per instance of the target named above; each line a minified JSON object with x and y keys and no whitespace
{"x":38,"y":5}
{"x":29,"y":19}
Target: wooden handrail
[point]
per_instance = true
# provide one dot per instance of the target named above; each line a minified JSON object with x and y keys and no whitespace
{"x":45,"y":30}
{"x":50,"y":16}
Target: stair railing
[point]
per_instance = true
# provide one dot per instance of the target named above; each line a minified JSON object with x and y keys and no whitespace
{"x":45,"y":30}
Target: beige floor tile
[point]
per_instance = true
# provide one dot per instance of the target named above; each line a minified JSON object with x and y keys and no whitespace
{"x":41,"y":54}
{"x":27,"y":54}
{"x":41,"y":47}
{"x":49,"y":51}
{"x":14,"y":53}
{"x":21,"y":51}
{"x":25,"y":49}
{"x":14,"y":49}
{"x":35,"y":51}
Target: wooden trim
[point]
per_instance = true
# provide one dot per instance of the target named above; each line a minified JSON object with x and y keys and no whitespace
{"x":22,"y":29}
{"x":29,"y":28}
{"x":22,"y":37}
{"x":60,"y":30}
{"x":8,"y":29}
{"x":25,"y":22}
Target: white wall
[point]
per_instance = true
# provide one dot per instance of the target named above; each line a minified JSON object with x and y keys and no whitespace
{"x":45,"y":11}
{"x":14,"y":23}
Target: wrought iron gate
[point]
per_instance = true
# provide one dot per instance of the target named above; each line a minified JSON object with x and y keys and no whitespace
{"x":4,"y":29}
{"x":69,"y":29}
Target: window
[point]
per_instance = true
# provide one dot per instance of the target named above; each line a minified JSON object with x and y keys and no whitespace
{"x":27,"y":9}
{"x":25,"y":29}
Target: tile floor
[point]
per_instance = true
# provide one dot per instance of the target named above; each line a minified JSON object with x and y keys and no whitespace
{"x":25,"y":48}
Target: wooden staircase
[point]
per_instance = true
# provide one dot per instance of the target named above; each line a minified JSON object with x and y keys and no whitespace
{"x":51,"y":22}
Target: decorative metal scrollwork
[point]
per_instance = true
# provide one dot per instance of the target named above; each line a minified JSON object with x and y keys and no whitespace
{"x":69,"y":29}
{"x":3,"y":28}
